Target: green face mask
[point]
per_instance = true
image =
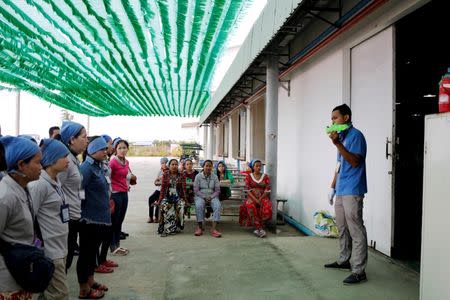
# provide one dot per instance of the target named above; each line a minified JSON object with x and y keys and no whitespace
{"x":336,"y":127}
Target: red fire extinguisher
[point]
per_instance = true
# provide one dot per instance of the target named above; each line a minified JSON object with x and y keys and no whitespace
{"x":444,"y":93}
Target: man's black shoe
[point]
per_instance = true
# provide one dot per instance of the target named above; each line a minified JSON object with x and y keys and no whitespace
{"x":125,"y":234}
{"x":335,"y":265}
{"x":355,"y":278}
{"x":122,"y":236}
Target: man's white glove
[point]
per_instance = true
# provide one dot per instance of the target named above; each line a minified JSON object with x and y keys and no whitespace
{"x":331,"y":194}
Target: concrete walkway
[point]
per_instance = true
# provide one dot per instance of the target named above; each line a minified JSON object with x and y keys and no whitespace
{"x":236,"y":266}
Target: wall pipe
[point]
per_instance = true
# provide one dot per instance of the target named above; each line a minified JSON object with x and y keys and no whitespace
{"x":300,"y":227}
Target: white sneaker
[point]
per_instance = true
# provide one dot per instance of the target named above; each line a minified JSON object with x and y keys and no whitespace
{"x":262,"y":233}
{"x":256,"y":232}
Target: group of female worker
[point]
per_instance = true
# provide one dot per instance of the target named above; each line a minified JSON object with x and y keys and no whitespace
{"x":49,"y":199}
{"x":86,"y":201}
{"x":182,"y":186}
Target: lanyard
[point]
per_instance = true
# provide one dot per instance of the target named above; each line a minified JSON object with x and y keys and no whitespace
{"x":36,"y":229}
{"x":58,"y":190}
{"x":30,"y":204}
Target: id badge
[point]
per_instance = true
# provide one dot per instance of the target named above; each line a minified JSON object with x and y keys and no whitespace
{"x":81,"y":194}
{"x":65,"y":213}
{"x":172,"y":191}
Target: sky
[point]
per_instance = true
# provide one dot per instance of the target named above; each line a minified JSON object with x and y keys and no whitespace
{"x":37,"y":115}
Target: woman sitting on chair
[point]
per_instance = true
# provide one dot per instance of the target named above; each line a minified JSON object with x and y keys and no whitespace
{"x":257,"y":208}
{"x":207,"y":189}
{"x":224,"y":177}
{"x":190,"y":173}
{"x":172,"y":200}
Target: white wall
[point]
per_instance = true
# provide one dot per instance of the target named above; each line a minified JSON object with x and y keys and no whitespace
{"x":306,"y":157}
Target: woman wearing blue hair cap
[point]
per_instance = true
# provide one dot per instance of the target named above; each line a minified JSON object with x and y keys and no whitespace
{"x":74,"y":136}
{"x":23,"y":165}
{"x":52,"y":214}
{"x":109,"y":142}
{"x":95,"y":218}
{"x":71,"y":130}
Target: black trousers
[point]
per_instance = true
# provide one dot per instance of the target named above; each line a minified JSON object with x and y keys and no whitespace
{"x":90,"y":238}
{"x":120,"y":209}
{"x":152,"y":199}
{"x":102,"y":251}
{"x":72,"y":240}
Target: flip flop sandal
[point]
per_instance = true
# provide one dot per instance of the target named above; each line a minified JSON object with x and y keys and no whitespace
{"x":103,"y":269}
{"x":110,"y":264}
{"x":216,"y":234}
{"x":120,"y":252}
{"x":99,"y":287}
{"x":125,"y":250}
{"x":93,"y":294}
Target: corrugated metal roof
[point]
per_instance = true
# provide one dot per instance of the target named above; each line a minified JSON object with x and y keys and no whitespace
{"x":269,"y":22}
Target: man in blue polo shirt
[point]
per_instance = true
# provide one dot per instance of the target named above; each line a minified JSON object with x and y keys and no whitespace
{"x":349,"y":186}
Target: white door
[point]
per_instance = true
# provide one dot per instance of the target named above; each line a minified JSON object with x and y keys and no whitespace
{"x":372,"y":86}
{"x":435,"y":265}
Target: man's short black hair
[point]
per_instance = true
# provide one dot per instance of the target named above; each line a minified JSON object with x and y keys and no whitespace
{"x":52,"y":129}
{"x":344,"y":109}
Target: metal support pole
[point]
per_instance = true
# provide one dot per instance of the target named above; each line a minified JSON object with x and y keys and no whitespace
{"x":210,"y":142}
{"x":18,"y":113}
{"x":271,"y":113}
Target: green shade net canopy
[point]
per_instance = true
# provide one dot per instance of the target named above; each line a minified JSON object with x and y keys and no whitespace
{"x":116,"y":57}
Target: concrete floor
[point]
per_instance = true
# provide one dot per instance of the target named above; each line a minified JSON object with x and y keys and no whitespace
{"x":238,"y":265}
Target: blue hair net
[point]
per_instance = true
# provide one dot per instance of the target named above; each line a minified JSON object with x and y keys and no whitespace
{"x":16,"y":149}
{"x":96,"y":144}
{"x":52,"y":150}
{"x":69,"y":130}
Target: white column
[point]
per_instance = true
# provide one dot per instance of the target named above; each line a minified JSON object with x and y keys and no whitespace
{"x":88,"y":124}
{"x":248,"y":134}
{"x":205,"y":141}
{"x":210,"y":142}
{"x":271,"y":114}
{"x":18,"y":113}
{"x":230,"y":138}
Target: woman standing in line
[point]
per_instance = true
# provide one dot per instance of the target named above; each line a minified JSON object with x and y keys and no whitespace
{"x":105,"y":265}
{"x":120,"y":182}
{"x":22,"y":159}
{"x":95,"y":218}
{"x":52,"y":214}
{"x":74,"y":136}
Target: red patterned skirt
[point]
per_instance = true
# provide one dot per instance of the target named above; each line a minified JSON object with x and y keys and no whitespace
{"x":17,"y":295}
{"x":252,"y":214}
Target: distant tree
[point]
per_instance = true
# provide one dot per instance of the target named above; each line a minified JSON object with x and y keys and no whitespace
{"x":176,"y":152}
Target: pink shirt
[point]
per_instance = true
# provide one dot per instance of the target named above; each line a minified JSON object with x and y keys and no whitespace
{"x":119,"y":174}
